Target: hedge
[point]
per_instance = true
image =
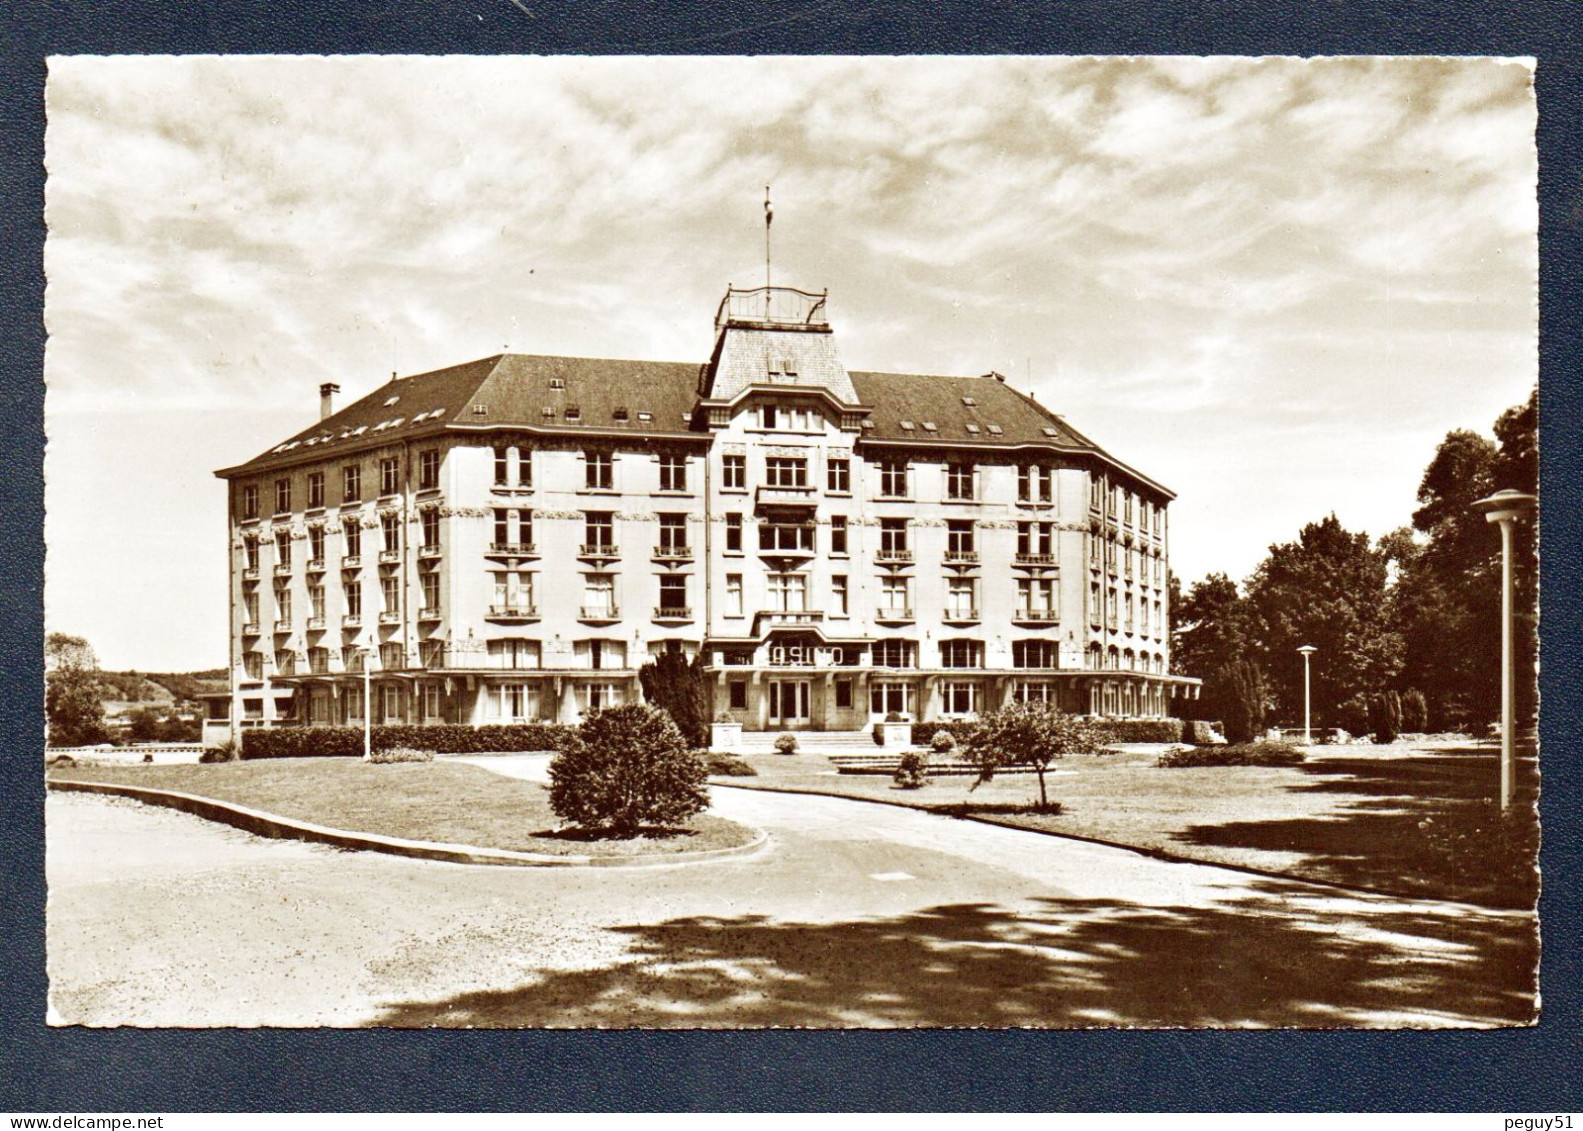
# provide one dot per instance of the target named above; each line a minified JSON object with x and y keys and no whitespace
{"x":1109,"y":730}
{"x":347,"y":742}
{"x":1263,"y":753}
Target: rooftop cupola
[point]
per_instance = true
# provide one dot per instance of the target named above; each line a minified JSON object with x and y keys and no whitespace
{"x":774,"y":336}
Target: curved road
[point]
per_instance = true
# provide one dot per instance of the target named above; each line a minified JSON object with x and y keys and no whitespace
{"x":854,"y":915}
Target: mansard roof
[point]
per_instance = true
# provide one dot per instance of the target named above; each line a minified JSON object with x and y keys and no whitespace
{"x":570,"y":395}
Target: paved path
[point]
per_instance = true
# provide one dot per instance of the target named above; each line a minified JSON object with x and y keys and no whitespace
{"x":856,"y":915}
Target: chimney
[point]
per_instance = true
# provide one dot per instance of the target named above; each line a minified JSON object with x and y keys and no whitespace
{"x":327,"y":393}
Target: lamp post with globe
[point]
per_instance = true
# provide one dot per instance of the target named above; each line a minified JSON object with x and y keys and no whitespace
{"x":1307,"y":650}
{"x":1507,"y":508}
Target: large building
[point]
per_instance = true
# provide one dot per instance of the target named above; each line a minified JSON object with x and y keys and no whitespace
{"x":511,"y":539}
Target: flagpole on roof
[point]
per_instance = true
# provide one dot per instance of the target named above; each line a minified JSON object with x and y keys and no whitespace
{"x":769,"y":215}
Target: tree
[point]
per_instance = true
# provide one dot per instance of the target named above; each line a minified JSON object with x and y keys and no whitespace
{"x":681,"y":688}
{"x":626,"y":768}
{"x":72,"y":692}
{"x":1517,"y":467}
{"x":1328,"y":589}
{"x":1240,"y":699}
{"x":1209,"y":634}
{"x":1027,"y":734}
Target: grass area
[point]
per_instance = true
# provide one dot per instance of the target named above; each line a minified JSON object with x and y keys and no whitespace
{"x":434,"y":801}
{"x":1410,"y":820}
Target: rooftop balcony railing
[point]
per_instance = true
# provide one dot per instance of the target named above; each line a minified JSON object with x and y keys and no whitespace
{"x":777,"y":306}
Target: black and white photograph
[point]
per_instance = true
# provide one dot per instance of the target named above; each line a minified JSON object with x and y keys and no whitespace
{"x":746,"y":542}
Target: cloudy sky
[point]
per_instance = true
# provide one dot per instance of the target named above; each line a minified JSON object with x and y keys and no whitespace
{"x":1272,"y":285}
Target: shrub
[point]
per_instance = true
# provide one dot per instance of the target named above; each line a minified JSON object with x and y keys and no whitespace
{"x":923,"y":733}
{"x":942,"y":742}
{"x":1239,"y":692}
{"x":727,"y":766}
{"x":912,"y":770}
{"x":1415,"y":711}
{"x":1241,"y":754}
{"x":1032,"y":734}
{"x":1385,"y":716}
{"x":894,"y":717}
{"x":1139,"y":730}
{"x":786,"y":744}
{"x":1198,"y":732}
{"x":347,"y":742}
{"x":1352,"y":715}
{"x":400,"y":754}
{"x":228,"y":751}
{"x":679,"y":686}
{"x":626,"y":768}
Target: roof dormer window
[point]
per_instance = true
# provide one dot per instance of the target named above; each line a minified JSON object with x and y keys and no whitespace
{"x":557,"y":382}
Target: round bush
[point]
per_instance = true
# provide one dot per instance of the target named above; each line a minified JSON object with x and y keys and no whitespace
{"x":912,"y":770}
{"x":625,"y":769}
{"x":942,"y":742}
{"x":786,"y":744}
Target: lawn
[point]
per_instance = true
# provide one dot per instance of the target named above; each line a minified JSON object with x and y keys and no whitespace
{"x":432,"y":801}
{"x":1400,"y":819}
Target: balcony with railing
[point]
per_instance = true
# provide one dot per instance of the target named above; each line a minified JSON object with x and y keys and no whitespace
{"x":960,"y":616}
{"x":780,"y":307}
{"x":599,"y":614}
{"x":352,"y":620}
{"x":283,"y":624}
{"x":673,"y":613}
{"x":893,"y":614}
{"x":389,"y":557}
{"x":429,"y":551}
{"x":390,"y":616}
{"x":1037,"y":616}
{"x":788,"y":616}
{"x":598,"y":550}
{"x":315,"y":565}
{"x":515,"y":612}
{"x":249,"y":573}
{"x":797,"y":495}
{"x":513,"y":549}
{"x":673,"y":553}
{"x":893,"y":556}
{"x":282,"y":569}
{"x":429,"y":612}
{"x":961,"y":557}
{"x":250,"y":628}
{"x":1035,"y":559}
{"x":315,"y":624}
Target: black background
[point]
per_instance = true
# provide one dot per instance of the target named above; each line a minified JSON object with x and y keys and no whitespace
{"x":52,"y":1070}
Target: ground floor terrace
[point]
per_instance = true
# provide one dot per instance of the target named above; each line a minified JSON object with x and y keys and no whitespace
{"x":759,"y":698}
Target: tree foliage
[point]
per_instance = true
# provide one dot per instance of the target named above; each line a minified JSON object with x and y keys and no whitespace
{"x":72,"y":692}
{"x":1027,"y":734}
{"x":1239,"y":698}
{"x":681,"y":688}
{"x":626,"y":769}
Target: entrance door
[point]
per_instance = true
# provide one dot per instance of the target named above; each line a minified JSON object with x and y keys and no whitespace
{"x":789,"y":702}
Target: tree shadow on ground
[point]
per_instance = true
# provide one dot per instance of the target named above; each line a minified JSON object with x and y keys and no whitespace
{"x":1278,"y":957}
{"x":1420,"y":825}
{"x":643,"y":832}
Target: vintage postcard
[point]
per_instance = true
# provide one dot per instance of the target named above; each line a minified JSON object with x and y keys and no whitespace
{"x":636,"y":542}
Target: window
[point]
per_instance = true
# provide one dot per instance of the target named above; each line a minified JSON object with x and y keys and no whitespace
{"x":502,"y":467}
{"x":352,"y":532}
{"x":673,"y":532}
{"x":250,"y":553}
{"x":843,"y":694}
{"x":895,"y":595}
{"x":351,"y":483}
{"x":431,"y":592}
{"x":673,"y":592}
{"x":316,"y":543}
{"x":253,"y":664}
{"x":894,"y":653}
{"x":250,"y":605}
{"x":599,"y":471}
{"x":282,"y":496}
{"x":599,"y":594}
{"x":786,"y":536}
{"x":838,"y":595}
{"x":354,"y":599}
{"x":893,"y":536}
{"x":390,"y":530}
{"x":673,"y":473}
{"x":315,"y":489}
{"x":430,"y":521}
{"x":283,"y":605}
{"x":1131,"y":608}
{"x":959,"y":482}
{"x":1035,"y":484}
{"x":961,"y":598}
{"x":733,"y":595}
{"x":1028,"y":691}
{"x":838,"y":474}
{"x":286,"y":662}
{"x":431,"y":701}
{"x":250,"y":501}
{"x":502,"y":528}
{"x":1110,"y":609}
{"x":1095,"y":608}
{"x":1035,"y":654}
{"x":886,"y":698}
{"x":1034,"y":539}
{"x":1036,"y":595}
{"x":599,"y":696}
{"x":788,"y":592}
{"x":428,"y":469}
{"x":961,"y":653}
{"x":893,"y":479}
{"x":959,"y":537}
{"x":283,"y":549}
{"x":958,"y":697}
{"x":734,"y":473}
{"x":733,"y":533}
{"x":389,"y":476}
{"x":838,"y":534}
{"x":316,"y":601}
{"x":390,"y":593}
{"x":599,"y":529}
{"x":767,"y":415}
{"x":1096,"y":491}
{"x":513,"y":592}
{"x":786,"y":471}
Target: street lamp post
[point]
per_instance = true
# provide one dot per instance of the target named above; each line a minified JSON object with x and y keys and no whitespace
{"x":368,"y":701}
{"x":1507,"y":508}
{"x":1307,"y":650}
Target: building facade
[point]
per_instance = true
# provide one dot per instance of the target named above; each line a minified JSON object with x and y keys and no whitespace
{"x":511,"y":539}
